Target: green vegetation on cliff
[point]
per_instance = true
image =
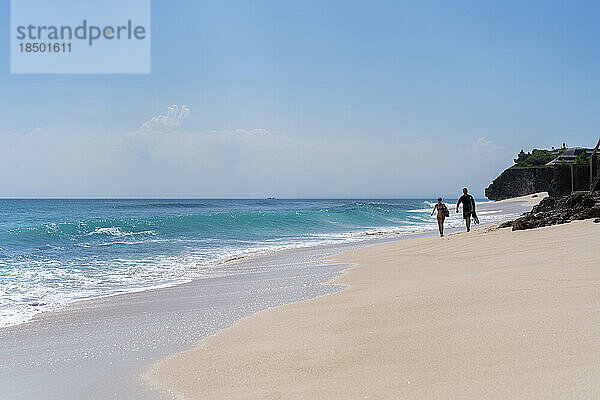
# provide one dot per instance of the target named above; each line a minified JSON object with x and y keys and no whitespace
{"x":582,"y":159}
{"x":537,"y":158}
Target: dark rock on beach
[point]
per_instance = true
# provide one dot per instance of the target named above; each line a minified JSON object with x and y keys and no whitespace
{"x":552,"y":211}
{"x":506,"y":224}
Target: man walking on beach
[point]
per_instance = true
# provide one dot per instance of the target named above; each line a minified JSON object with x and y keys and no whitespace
{"x":468,"y":207}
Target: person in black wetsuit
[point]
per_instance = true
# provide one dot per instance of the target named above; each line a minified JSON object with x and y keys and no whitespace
{"x":468,"y":207}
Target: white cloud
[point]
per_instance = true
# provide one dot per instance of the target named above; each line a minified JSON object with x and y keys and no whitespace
{"x":243,"y":132}
{"x":482,"y":142}
{"x":485,"y":144}
{"x":241,"y":163}
{"x":172,"y":119}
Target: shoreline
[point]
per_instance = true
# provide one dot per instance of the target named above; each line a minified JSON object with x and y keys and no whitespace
{"x":227,"y":262}
{"x":491,"y":314}
{"x":365,"y":238}
{"x":112,"y":349}
{"x":97,"y":348}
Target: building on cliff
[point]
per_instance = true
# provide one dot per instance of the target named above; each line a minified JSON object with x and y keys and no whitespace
{"x":570,"y":156}
{"x":572,"y":170}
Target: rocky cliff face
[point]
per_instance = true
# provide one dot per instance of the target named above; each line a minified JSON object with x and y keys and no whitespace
{"x":515,"y":182}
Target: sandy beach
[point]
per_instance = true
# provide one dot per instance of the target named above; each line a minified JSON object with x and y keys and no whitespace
{"x":489,"y":314}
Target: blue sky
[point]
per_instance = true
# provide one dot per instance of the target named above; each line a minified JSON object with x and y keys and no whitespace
{"x":310,"y":99}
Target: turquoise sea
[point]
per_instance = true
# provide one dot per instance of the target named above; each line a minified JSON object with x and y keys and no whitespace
{"x":53,"y":252}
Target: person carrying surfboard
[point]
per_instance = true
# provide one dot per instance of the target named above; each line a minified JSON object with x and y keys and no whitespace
{"x":468,"y":204}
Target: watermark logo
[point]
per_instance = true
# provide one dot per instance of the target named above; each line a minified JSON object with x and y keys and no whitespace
{"x":74,"y":36}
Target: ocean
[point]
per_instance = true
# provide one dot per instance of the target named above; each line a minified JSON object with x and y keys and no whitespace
{"x":54,"y":252}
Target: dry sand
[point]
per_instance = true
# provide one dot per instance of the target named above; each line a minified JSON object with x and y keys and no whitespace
{"x":492,"y":314}
{"x":529,"y":200}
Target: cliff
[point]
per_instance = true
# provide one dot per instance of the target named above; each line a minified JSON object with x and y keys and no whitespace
{"x":515,"y":182}
{"x":559,"y":172}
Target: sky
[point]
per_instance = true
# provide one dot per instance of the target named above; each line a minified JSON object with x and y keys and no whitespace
{"x":309,"y":99}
